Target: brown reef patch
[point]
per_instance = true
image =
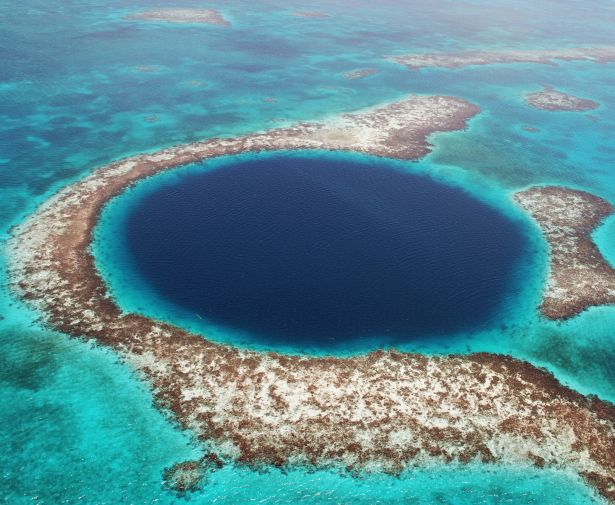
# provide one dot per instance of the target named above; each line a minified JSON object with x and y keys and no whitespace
{"x":600,"y":54}
{"x":188,"y":476}
{"x":554,"y":100}
{"x":182,"y":15}
{"x":579,"y":276}
{"x":360,"y":73}
{"x":379,"y":412}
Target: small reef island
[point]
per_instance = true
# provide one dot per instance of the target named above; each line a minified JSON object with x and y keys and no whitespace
{"x":384,"y":411}
{"x":579,"y":276}
{"x":603,"y":54}
{"x":182,"y":15}
{"x":552,"y":99}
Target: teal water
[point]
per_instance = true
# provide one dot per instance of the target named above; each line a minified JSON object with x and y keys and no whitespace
{"x":76,"y":426}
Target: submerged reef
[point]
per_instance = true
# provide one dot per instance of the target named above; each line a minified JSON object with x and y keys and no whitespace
{"x":310,"y":14}
{"x":382,"y":411}
{"x":146,"y":69}
{"x":182,"y":15}
{"x":598,"y":54}
{"x":579,"y":276}
{"x":552,"y":99}
{"x":360,"y":73}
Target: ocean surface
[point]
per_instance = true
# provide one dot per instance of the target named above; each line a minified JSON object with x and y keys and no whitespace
{"x":80,"y":86}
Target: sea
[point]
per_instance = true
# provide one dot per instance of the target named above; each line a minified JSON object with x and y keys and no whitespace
{"x":82,"y":86}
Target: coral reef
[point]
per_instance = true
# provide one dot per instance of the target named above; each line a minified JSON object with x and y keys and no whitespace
{"x":182,"y":15}
{"x":604,"y":54}
{"x":579,"y":276}
{"x":379,"y":412}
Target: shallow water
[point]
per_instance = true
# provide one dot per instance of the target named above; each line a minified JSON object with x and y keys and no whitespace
{"x":79,"y":87}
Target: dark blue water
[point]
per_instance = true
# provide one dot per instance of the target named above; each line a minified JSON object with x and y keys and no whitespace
{"x":322,"y":250}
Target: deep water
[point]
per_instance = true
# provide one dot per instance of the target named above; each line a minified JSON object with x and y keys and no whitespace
{"x":319,"y":250}
{"x":80,"y":87}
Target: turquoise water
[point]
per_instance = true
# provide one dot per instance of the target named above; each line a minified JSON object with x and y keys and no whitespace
{"x":75,"y":425}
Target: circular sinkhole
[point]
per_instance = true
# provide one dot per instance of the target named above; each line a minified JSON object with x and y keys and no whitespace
{"x":304,"y":250}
